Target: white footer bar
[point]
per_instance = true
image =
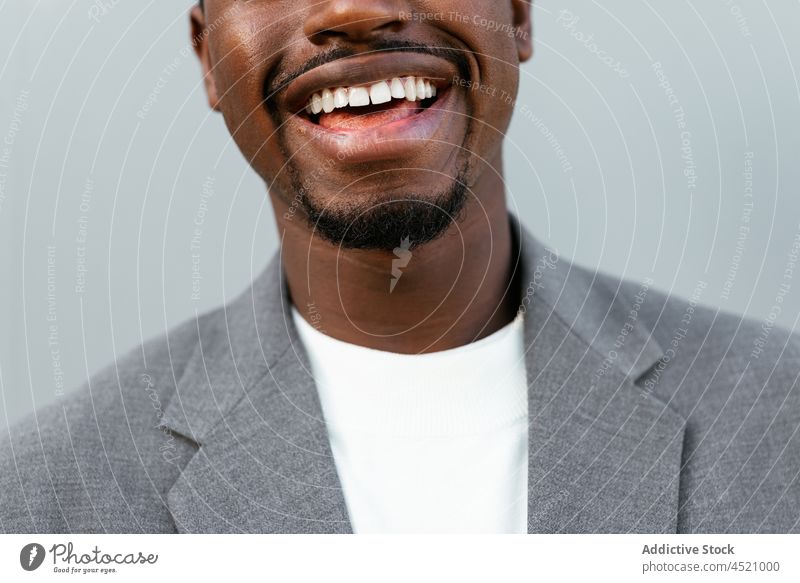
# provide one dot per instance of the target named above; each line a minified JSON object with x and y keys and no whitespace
{"x":405,"y":559}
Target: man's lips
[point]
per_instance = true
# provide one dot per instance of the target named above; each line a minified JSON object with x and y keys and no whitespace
{"x":381,"y":131}
{"x":366,"y":69}
{"x":392,"y":134}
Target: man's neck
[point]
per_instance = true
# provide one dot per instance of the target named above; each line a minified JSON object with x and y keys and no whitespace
{"x":446,"y":293}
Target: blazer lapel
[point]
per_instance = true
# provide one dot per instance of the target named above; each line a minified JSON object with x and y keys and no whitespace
{"x":264,"y":462}
{"x":604,"y":456}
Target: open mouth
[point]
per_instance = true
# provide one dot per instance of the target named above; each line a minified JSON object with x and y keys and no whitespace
{"x":363,"y":107}
{"x":376,"y":107}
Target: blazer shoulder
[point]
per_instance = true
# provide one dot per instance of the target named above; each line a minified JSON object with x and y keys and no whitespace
{"x":709,"y":346}
{"x":97,"y":460}
{"x":735,"y":380}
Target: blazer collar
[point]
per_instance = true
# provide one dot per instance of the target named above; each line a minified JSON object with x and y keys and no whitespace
{"x":264,"y":462}
{"x":603,"y":456}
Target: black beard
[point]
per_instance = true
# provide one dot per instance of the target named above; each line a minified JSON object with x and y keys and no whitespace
{"x":383,"y":225}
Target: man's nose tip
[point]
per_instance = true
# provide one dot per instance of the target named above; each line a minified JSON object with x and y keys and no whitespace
{"x":355,"y":20}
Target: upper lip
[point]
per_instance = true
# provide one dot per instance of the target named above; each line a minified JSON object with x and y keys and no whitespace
{"x":368,"y":68}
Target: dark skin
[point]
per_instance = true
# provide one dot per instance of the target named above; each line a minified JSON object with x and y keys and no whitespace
{"x":455,"y":289}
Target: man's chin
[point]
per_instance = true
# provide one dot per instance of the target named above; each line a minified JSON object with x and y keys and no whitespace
{"x":385,"y":225}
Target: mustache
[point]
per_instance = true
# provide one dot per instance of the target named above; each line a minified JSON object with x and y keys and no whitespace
{"x":280,"y":79}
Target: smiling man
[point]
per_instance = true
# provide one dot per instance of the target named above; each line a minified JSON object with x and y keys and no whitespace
{"x":412,"y":360}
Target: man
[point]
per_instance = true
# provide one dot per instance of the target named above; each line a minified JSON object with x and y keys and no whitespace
{"x":412,"y":360}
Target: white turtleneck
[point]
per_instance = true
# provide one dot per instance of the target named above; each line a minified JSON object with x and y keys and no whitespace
{"x":428,"y":443}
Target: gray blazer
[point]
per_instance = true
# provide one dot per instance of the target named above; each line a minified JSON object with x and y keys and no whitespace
{"x":647,"y":414}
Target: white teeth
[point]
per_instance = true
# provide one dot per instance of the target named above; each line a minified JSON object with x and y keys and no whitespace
{"x":358,"y":96}
{"x":340,"y":97}
{"x":410,"y":86}
{"x":420,"y":89}
{"x":327,"y":101}
{"x":380,"y":93}
{"x":316,"y":103}
{"x":397,"y":90}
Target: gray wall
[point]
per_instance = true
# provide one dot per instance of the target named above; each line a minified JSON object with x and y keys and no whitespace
{"x":108,"y":157}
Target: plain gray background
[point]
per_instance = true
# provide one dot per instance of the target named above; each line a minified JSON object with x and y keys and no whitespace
{"x":109,"y":155}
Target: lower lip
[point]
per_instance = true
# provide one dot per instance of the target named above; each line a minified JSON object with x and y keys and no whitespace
{"x":391,"y":140}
